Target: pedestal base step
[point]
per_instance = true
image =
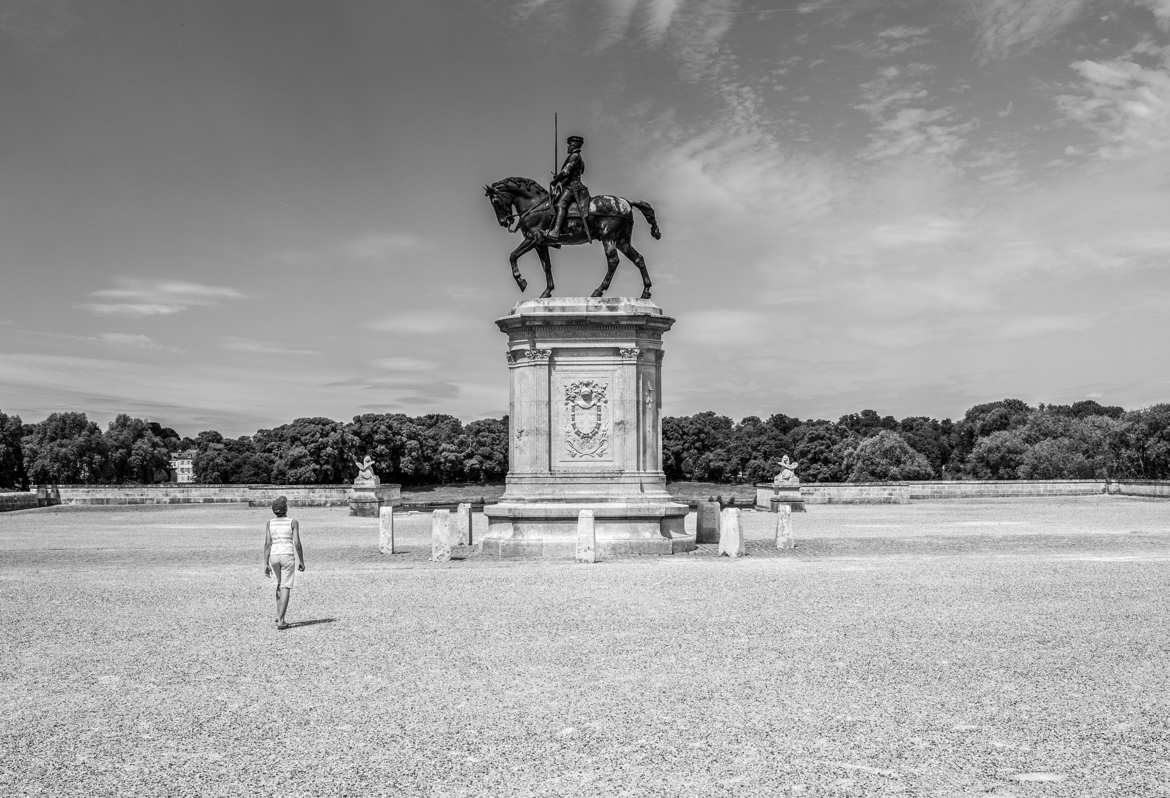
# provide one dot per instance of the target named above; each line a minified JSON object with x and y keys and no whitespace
{"x":549,"y":530}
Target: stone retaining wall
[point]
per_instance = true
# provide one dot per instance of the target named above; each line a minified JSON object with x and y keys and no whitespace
{"x":19,"y":501}
{"x":978,"y":489}
{"x":169,"y":493}
{"x":855,"y":493}
{"x":902,"y":492}
{"x":1157,"y":488}
{"x":812,"y":493}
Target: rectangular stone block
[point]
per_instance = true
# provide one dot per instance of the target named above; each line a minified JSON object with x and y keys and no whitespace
{"x":707,"y":523}
{"x":730,"y":533}
{"x":386,"y":530}
{"x":784,"y":538}
{"x":586,"y":537}
{"x":441,"y":535}
{"x":463,"y":523}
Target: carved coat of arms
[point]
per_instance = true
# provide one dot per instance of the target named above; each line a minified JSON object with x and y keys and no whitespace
{"x":586,"y":418}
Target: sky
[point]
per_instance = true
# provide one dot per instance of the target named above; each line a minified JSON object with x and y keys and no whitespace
{"x":227,"y":215}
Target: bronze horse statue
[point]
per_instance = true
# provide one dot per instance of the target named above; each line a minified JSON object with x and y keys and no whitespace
{"x":523,"y":204}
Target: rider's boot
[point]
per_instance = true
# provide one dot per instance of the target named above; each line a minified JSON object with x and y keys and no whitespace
{"x":554,"y":232}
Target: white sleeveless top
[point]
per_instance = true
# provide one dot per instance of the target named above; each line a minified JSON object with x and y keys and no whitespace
{"x":282,"y":536}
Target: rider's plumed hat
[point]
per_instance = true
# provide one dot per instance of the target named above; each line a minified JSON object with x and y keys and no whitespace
{"x":575,"y":140}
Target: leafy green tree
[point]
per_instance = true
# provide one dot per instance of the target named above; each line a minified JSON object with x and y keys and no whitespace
{"x":886,"y":457}
{"x":485,"y":449}
{"x":383,"y":437}
{"x":983,"y":420}
{"x":65,"y":448}
{"x":171,"y":439}
{"x":1065,"y":445}
{"x":12,"y":473}
{"x":135,"y":453}
{"x":308,"y":451}
{"x":220,"y":460}
{"x":1055,"y":458}
{"x":822,"y":448}
{"x":998,"y":455}
{"x":689,"y":444}
{"x":866,"y":423}
{"x":1143,"y":443}
{"x":930,"y":438}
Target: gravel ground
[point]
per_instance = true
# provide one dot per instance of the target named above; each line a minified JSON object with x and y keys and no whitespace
{"x":992,"y":648}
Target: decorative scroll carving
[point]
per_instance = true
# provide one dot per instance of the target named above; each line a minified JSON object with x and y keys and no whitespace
{"x":528,"y":356}
{"x":510,"y":357}
{"x":587,"y":425}
{"x":630,"y":354}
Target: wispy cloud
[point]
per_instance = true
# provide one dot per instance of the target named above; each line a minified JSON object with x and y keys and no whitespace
{"x":255,"y":347}
{"x":1161,"y":10}
{"x":132,"y":340}
{"x":908,"y":120}
{"x":137,"y":297}
{"x":892,"y":41}
{"x":418,"y":322}
{"x":408,"y":364}
{"x":1012,"y":26}
{"x":1124,"y":104}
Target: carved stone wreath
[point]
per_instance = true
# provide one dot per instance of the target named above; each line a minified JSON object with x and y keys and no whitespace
{"x":586,"y":421}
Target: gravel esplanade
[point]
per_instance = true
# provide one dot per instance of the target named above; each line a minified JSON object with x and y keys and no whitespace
{"x":995,"y":648}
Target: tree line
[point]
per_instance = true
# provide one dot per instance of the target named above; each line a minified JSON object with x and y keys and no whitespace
{"x":1007,"y":439}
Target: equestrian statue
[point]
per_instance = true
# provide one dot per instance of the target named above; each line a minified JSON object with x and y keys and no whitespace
{"x":545,"y":220}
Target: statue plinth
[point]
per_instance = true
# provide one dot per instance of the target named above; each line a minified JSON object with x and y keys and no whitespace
{"x":584,"y":431}
{"x":770,"y":495}
{"x":368,"y":497}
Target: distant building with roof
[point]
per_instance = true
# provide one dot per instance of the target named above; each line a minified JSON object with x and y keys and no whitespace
{"x":183,"y":466}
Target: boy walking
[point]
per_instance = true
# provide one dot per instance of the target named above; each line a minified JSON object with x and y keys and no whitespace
{"x":282,"y":549}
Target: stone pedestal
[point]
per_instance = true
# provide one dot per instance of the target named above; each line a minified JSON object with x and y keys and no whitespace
{"x":730,"y":534}
{"x":707,"y":523}
{"x":584,"y":431}
{"x":368,"y":499}
{"x":769,"y":496}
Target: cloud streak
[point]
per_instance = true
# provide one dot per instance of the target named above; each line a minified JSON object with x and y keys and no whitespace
{"x":137,"y":297}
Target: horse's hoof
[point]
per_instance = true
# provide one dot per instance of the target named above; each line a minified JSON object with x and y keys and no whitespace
{"x":546,"y":295}
{"x":595,"y":294}
{"x":522,"y":283}
{"x":645,"y":295}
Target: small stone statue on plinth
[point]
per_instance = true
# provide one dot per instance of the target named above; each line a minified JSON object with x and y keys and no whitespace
{"x":366,"y":475}
{"x":368,"y":493}
{"x":786,"y":487}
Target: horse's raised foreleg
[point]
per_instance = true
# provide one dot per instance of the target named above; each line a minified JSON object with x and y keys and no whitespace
{"x":611,"y":258}
{"x":546,"y":262}
{"x":526,"y":245}
{"x":636,"y":257}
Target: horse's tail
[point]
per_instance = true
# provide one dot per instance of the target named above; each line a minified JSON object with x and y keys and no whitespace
{"x":648,"y":212}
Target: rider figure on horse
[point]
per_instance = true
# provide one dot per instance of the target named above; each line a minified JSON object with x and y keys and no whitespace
{"x":571,"y":189}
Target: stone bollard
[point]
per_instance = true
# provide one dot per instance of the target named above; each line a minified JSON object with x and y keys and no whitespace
{"x":730,"y":534}
{"x":707,"y":522}
{"x":441,"y":536}
{"x":386,"y":530}
{"x":463,"y":523}
{"x":784,"y":539}
{"x":586,"y":537}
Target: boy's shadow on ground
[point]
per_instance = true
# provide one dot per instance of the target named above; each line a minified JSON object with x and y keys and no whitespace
{"x":298,"y":624}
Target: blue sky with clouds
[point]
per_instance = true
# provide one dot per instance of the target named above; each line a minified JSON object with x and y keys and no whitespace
{"x":228,"y":215}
